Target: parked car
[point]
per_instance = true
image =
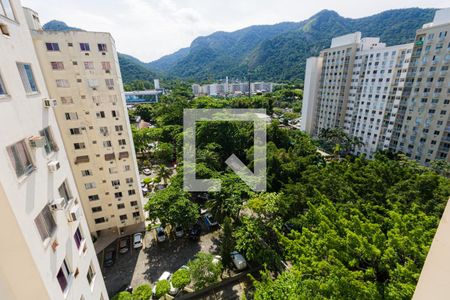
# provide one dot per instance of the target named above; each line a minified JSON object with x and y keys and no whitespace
{"x":147,"y":171}
{"x":194,"y":233}
{"x":160,"y":234}
{"x":179,"y":232}
{"x":210,"y":221}
{"x":137,"y":240}
{"x":166,"y":276}
{"x":123,"y":246}
{"x":238,"y":260}
{"x":144,"y":190}
{"x":110,"y":257}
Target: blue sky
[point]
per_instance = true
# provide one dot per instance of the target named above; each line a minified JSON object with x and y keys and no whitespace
{"x":149,"y":29}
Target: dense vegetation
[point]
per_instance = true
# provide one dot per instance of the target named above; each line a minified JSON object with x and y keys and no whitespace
{"x":348,"y":228}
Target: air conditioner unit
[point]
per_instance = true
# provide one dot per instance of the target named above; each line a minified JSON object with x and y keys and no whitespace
{"x":57,"y":204}
{"x":75,"y":213}
{"x":37,"y":141}
{"x":47,"y":103}
{"x":53,"y":166}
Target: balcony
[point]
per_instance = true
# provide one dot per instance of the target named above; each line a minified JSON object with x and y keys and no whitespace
{"x":82,"y":159}
{"x":110,"y":156}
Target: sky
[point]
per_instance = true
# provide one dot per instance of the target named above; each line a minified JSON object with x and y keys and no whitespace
{"x":149,"y":29}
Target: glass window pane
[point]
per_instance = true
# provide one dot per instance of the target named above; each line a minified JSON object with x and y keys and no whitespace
{"x":2,"y":87}
{"x":8,"y":9}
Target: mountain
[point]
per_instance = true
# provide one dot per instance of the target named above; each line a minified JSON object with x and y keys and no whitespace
{"x":134,"y":69}
{"x":279,"y":52}
{"x":56,"y":25}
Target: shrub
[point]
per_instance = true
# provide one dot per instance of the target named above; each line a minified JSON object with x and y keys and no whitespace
{"x":162,"y":288}
{"x":142,"y":292}
{"x":181,"y":278}
{"x":204,"y":270}
{"x":123,"y":296}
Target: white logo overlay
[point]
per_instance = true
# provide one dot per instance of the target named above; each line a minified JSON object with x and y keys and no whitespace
{"x":256,"y":180}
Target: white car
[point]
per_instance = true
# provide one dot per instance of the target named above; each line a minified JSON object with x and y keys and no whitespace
{"x":166,"y":276}
{"x":160,"y":234}
{"x":238,"y":260}
{"x":147,"y":171}
{"x":137,"y":240}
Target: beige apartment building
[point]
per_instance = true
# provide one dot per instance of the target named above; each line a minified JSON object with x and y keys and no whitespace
{"x":46,"y":251}
{"x":82,"y":74}
{"x":422,"y":127}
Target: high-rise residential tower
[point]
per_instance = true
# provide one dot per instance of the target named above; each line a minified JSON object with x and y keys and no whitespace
{"x":422,"y":124}
{"x":46,"y":251}
{"x":82,"y":74}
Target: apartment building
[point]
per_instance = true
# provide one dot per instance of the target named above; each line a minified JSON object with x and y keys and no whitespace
{"x":82,"y":74}
{"x":46,"y":251}
{"x":422,"y":127}
{"x":222,"y":89}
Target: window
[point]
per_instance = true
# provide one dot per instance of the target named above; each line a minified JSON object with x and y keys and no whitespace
{"x":100,"y":114}
{"x":119,"y":128}
{"x":92,"y":83}
{"x":52,"y":46}
{"x":78,"y":237}
{"x":64,"y":192}
{"x":99,"y":220}
{"x":89,"y":65}
{"x":104,"y":131}
{"x":90,"y":274}
{"x":102,"y":47}
{"x":123,"y":217}
{"x":93,"y":198}
{"x":97,"y":209}
{"x":62,"y":83}
{"x":106,"y":65}
{"x":136,"y":214}
{"x":2,"y":87}
{"x":89,"y":185}
{"x":113,"y":170}
{"x":127,"y":168}
{"x":114,"y":113}
{"x":50,"y":144}
{"x":120,"y":206}
{"x":109,"y":83}
{"x":118,"y":195}
{"x":79,"y":146}
{"x":85,"y":173}
{"x":75,"y":131}
{"x":133,"y":203}
{"x":107,"y":144}
{"x":45,"y":223}
{"x":26,"y":74}
{"x":115,"y":183}
{"x":57,"y":65}
{"x":6,"y":9}
{"x":71,"y":116}
{"x":67,"y":100}
{"x":129,"y":180}
{"x":20,"y":158}
{"x":131,"y":192}
{"x":122,"y":142}
{"x":63,"y":276}
{"x":84,"y":47}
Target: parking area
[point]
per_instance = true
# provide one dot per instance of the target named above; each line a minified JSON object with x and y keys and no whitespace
{"x":146,"y":265}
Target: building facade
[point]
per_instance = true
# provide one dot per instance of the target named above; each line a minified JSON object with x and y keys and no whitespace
{"x":392,"y":97}
{"x":231,"y":89}
{"x":46,"y":250}
{"x":422,"y":127}
{"x":82,"y":74}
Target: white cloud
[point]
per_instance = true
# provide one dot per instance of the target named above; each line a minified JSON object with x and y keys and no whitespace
{"x":149,"y":29}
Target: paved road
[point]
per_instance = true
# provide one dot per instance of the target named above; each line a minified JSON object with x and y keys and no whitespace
{"x":146,"y":265}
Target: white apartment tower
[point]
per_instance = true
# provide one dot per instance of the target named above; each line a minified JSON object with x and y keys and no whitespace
{"x":353,"y":85}
{"x":422,"y":124}
{"x":82,"y":74}
{"x":46,"y":250}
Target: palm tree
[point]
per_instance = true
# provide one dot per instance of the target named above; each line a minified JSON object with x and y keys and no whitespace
{"x":164,"y":173}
